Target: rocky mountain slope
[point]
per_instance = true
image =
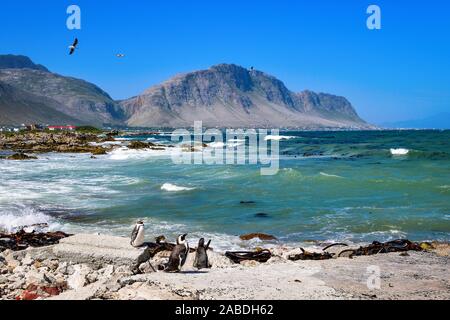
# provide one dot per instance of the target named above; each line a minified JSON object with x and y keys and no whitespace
{"x":73,"y":97}
{"x":10,"y":61}
{"x":18,"y":106}
{"x":225,"y":95}
{"x":231,"y":96}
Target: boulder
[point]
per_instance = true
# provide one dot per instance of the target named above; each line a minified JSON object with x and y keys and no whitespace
{"x":21,"y":156}
{"x":99,"y":250}
{"x":79,"y":278}
{"x":260,"y":236}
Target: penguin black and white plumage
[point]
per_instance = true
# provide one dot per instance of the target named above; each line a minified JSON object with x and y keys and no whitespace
{"x":179,"y":255}
{"x":138,"y":235}
{"x":201,"y":256}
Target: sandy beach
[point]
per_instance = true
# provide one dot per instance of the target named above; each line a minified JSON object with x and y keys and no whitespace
{"x":91,"y":267}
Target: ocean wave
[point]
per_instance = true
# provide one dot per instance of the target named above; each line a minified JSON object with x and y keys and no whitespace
{"x":174,"y":188}
{"x":217,"y":145}
{"x":330,"y":175}
{"x":278,"y":138}
{"x":399,"y":152}
{"x":127,"y":154}
{"x":21,"y":215}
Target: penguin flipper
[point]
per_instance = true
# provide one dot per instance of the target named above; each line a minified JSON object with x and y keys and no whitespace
{"x":207,"y":245}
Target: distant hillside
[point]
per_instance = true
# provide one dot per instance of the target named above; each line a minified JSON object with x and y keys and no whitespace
{"x":75,"y":98}
{"x":18,"y":106}
{"x":225,"y":95}
{"x":439,"y":121}
{"x":19,"y":62}
{"x":228,"y":95}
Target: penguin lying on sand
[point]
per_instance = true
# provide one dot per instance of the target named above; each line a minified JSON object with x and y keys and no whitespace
{"x":179,"y":255}
{"x":201,"y":256}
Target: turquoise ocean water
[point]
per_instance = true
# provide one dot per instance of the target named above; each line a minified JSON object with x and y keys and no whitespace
{"x":331,"y":186}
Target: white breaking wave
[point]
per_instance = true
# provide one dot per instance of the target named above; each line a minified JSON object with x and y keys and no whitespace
{"x":330,"y":175}
{"x":399,"y":152}
{"x":25,"y":216}
{"x":174,"y":188}
{"x":278,"y":138}
{"x":125,"y":153}
{"x":217,"y":145}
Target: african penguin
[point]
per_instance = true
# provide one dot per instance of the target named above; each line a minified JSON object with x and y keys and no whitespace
{"x":201,"y":256}
{"x":179,"y":255}
{"x":137,"y":236}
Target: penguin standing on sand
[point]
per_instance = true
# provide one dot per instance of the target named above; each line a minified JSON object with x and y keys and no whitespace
{"x":201,"y":256}
{"x":179,"y":255}
{"x":138,"y":235}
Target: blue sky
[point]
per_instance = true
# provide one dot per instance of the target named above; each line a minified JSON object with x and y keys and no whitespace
{"x":400,"y":72}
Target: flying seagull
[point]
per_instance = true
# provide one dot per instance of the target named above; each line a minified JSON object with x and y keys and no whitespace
{"x":73,"y":46}
{"x":120,"y":55}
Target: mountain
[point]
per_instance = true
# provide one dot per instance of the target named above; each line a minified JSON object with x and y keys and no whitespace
{"x":225,"y":95}
{"x":228,"y":95}
{"x":439,"y":121}
{"x":18,"y":106}
{"x":77,"y":99}
{"x":10,"y":61}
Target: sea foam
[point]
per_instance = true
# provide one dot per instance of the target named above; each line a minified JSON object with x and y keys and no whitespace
{"x":278,"y":138}
{"x":330,"y":175}
{"x":174,"y":188}
{"x":399,"y":152}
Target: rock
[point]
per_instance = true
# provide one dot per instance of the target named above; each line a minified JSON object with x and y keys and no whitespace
{"x":146,"y":267}
{"x":21,"y":269}
{"x":19,"y":284}
{"x":11,"y":262}
{"x":92,"y":277}
{"x":62,"y":268}
{"x":3,"y":280}
{"x":113,"y":286}
{"x":51,"y":264}
{"x":21,"y":156}
{"x":98,"y":151}
{"x":260,"y":236}
{"x":28,"y":261}
{"x":79,"y":278}
{"x":108,"y":272}
{"x":133,"y":279}
{"x":139,"y":145}
{"x":36,"y":277}
{"x":250,"y":263}
{"x":99,"y":250}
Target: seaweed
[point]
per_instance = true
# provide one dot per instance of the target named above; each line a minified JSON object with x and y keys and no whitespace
{"x":400,"y":245}
{"x":258,"y":255}
{"x":22,"y":240}
{"x":305,"y":255}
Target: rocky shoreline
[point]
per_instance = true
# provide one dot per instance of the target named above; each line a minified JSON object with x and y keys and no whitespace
{"x":26,"y":146}
{"x":91,"y":267}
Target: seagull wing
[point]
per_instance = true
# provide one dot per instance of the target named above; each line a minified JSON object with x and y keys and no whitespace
{"x":71,"y":51}
{"x":75,"y":43}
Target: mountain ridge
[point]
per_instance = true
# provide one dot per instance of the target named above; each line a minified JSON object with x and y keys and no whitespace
{"x":225,"y":95}
{"x":230,"y":95}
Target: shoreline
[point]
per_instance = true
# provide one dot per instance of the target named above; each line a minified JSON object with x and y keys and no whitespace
{"x":87,"y":267}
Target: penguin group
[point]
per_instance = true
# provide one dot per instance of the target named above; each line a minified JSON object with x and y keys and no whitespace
{"x":179,"y":253}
